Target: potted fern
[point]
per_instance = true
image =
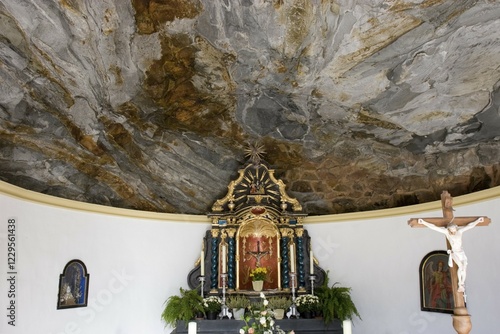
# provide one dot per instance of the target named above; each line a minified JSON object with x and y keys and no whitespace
{"x":183,"y":307}
{"x":335,"y":302}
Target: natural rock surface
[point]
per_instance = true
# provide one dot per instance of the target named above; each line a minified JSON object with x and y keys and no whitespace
{"x":148,"y":104}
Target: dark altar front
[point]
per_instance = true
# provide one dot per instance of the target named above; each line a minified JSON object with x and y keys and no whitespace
{"x":299,"y":326}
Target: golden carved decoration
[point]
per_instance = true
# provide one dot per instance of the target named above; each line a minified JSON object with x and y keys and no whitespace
{"x":215,"y":233}
{"x":286,"y":232}
{"x":255,"y":152}
{"x":217,"y":207}
{"x":284,"y":196}
{"x":299,"y":232}
{"x":284,"y":220}
{"x":231,"y":232}
{"x":259,"y":228}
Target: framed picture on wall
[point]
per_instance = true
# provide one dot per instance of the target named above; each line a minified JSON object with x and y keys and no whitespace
{"x":73,"y":285}
{"x":436,"y":293}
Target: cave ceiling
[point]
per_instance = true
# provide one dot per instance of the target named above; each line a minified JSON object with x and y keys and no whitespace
{"x":151,"y":104}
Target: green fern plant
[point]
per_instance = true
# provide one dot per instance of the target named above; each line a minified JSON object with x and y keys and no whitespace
{"x":336,"y":302}
{"x":183,"y":307}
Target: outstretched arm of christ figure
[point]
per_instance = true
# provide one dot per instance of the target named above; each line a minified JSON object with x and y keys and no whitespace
{"x":432,"y":226}
{"x":472,"y":224}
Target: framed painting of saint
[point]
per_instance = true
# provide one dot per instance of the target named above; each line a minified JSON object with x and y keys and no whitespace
{"x":436,"y":294}
{"x":73,"y":285}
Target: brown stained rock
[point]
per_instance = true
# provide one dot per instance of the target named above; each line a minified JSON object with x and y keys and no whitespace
{"x":149,"y":104}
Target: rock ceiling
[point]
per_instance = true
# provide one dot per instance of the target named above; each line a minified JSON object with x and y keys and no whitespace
{"x":150,"y":104}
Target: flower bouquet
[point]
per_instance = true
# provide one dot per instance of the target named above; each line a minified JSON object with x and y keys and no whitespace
{"x":260,"y":320}
{"x":212,"y":305}
{"x":307,"y":303}
{"x":258,"y":274}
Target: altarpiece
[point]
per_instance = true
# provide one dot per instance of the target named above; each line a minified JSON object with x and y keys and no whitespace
{"x":256,"y":224}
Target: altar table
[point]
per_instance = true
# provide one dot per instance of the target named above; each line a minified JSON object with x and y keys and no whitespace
{"x":230,"y":326}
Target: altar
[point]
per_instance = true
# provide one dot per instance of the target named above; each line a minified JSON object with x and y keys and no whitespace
{"x":299,"y":326}
{"x":256,"y":225}
{"x":257,"y":236}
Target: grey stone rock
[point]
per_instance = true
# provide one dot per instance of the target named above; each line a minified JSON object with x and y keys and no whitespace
{"x":149,"y":105}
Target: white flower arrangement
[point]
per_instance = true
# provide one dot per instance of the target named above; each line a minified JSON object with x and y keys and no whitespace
{"x":262,"y":321}
{"x":307,"y":303}
{"x":212,"y":304}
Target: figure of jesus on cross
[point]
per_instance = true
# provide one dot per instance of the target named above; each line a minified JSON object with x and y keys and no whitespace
{"x":453,"y":234}
{"x":453,"y":228}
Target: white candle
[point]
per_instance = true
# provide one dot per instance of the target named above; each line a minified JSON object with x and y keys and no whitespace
{"x":347,"y":326}
{"x":202,"y":263}
{"x":292,"y":258}
{"x":224,"y":252}
{"x":192,"y":327}
{"x":311,"y":258}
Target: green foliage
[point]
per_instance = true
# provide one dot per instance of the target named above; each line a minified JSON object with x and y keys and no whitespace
{"x":336,"y":302}
{"x":237,"y":301}
{"x":280,"y":303}
{"x":183,"y":307}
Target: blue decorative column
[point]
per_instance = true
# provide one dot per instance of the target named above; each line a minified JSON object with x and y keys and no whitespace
{"x":231,"y":259}
{"x":214,"y":260}
{"x":285,"y":272}
{"x":301,"y":273}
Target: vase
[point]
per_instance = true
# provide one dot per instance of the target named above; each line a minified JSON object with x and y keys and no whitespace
{"x":212,"y":315}
{"x":306,"y":315}
{"x":279,"y":313}
{"x":257,"y":285}
{"x":238,"y":313}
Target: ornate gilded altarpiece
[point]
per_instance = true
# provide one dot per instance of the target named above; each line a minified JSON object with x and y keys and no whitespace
{"x":254,"y":225}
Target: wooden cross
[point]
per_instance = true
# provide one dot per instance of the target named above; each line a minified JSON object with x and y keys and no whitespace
{"x":461,"y":317}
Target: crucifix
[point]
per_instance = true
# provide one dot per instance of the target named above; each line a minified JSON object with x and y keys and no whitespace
{"x":453,"y":227}
{"x":258,"y":254}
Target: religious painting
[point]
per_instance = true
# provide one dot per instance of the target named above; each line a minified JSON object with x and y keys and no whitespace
{"x":73,"y":285}
{"x":258,"y":246}
{"x":436,"y":292}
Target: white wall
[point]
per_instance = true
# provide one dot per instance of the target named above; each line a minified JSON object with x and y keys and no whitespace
{"x":135,"y":264}
{"x":380,"y":260}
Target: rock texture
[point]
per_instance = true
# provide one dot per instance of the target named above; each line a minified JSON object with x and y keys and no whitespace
{"x":149,"y":104}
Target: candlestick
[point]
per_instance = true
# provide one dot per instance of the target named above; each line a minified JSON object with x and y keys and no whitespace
{"x":293,"y":313}
{"x":192,"y":327}
{"x":311,"y":258}
{"x":202,"y":285}
{"x":224,"y":314}
{"x":202,"y":263}
{"x":292,"y":258}
{"x":312,"y":278}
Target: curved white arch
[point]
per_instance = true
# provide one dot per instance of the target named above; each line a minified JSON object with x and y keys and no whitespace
{"x":32,"y":196}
